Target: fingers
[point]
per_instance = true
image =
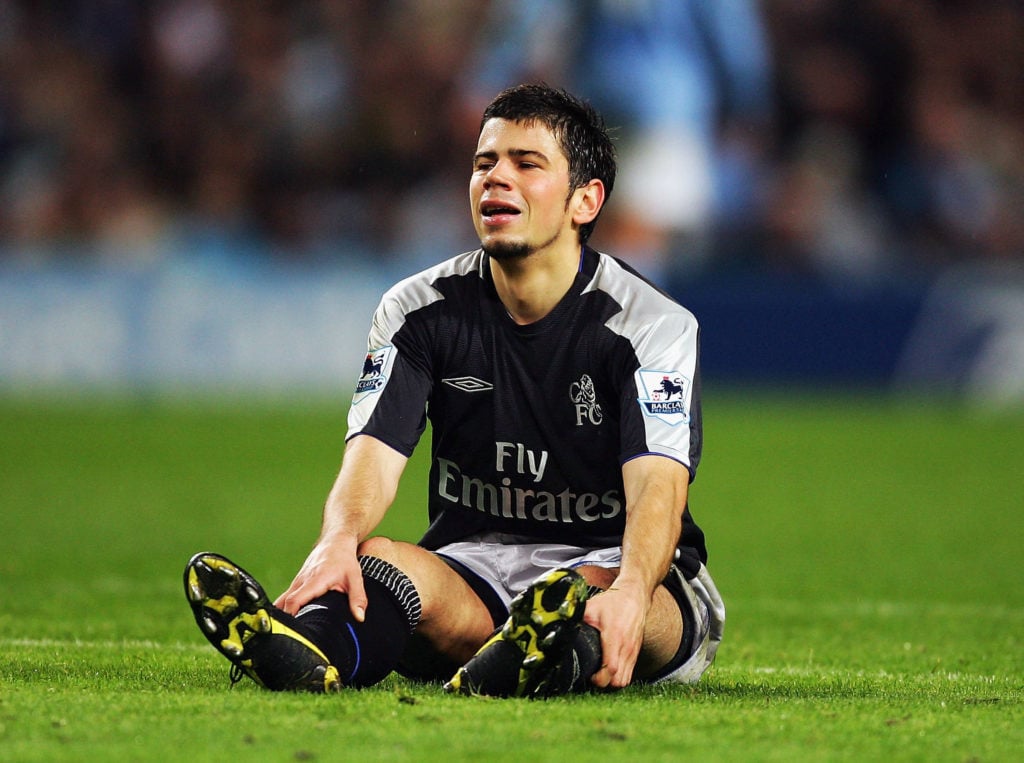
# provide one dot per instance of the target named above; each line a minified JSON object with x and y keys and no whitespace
{"x":357,"y":600}
{"x":304,"y":588}
{"x":602,"y":679}
{"x":299,"y":594}
{"x":615,"y":673}
{"x":621,"y":639}
{"x":315,"y":579}
{"x":282,"y":601}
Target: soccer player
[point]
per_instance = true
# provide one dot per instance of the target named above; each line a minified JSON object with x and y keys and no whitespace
{"x":564,"y":397}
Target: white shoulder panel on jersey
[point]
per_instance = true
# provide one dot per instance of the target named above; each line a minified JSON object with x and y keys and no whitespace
{"x":416,"y":292}
{"x":663,"y":335}
{"x":398,"y":303}
{"x":659,"y":328}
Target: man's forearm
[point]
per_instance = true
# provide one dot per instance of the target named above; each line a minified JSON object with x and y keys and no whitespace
{"x":363,"y":491}
{"x":656,"y":493}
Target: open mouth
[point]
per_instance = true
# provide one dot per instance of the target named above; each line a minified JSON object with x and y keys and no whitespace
{"x":495,"y":210}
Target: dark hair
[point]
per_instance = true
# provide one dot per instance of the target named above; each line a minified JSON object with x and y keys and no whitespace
{"x":577,"y":126}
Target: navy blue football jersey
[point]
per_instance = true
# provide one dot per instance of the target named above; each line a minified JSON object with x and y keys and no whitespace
{"x":531,"y":424}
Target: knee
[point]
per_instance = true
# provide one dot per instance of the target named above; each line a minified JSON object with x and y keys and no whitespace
{"x":401,"y":554}
{"x":598,"y":577}
{"x":382,"y":548}
{"x":407,"y":558}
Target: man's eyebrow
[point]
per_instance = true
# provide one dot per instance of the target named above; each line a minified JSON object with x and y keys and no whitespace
{"x":518,"y":153}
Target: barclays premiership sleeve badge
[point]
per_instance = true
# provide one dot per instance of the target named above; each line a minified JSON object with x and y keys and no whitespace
{"x":376,"y":369}
{"x":663,"y":395}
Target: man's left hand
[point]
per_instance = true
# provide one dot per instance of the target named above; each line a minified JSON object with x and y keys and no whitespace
{"x":619,"y":614}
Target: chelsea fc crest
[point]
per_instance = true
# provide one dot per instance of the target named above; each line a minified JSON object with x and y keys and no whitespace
{"x":664,"y":395}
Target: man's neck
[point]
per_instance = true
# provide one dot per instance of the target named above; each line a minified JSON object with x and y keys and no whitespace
{"x":531,"y":286}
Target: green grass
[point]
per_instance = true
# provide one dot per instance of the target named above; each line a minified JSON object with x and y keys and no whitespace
{"x":869,"y":552}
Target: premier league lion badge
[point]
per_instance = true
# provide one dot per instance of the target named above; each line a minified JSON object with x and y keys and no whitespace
{"x":375,"y":372}
{"x":664,"y":395}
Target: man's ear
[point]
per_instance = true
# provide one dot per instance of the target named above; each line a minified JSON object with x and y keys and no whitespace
{"x":587,"y":200}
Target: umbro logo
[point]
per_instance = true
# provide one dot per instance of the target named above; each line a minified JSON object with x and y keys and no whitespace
{"x":468,"y":384}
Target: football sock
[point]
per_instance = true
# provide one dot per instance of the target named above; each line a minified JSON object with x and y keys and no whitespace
{"x":578,"y":665}
{"x":364,"y":653}
{"x":690,"y":629}
{"x":575,"y":669}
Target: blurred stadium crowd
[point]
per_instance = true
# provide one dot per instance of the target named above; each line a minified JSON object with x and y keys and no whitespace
{"x":849,"y":138}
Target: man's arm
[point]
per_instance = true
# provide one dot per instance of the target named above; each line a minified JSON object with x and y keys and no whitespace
{"x":656,"y":489}
{"x":362,"y":493}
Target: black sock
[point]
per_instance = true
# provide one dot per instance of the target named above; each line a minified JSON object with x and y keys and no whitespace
{"x":364,"y":653}
{"x":582,"y":661}
{"x":579,"y":664}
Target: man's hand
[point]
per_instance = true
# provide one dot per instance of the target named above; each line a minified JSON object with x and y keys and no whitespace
{"x":363,"y":491}
{"x":619,"y":614}
{"x":331,"y":566}
{"x":656,"y":489}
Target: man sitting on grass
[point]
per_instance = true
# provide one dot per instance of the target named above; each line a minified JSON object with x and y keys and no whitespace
{"x":564,"y":397}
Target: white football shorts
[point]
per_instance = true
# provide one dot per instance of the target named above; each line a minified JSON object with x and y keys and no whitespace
{"x":509,"y":563}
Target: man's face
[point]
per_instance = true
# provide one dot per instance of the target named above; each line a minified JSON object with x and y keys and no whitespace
{"x":519,"y":191}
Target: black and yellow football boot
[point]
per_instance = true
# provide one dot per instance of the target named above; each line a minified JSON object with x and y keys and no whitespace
{"x":261,"y":641}
{"x":524,"y":653}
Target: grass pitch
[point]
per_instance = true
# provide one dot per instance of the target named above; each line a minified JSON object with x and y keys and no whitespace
{"x":869,"y":552}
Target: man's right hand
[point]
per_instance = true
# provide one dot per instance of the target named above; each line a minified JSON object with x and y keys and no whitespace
{"x":331,"y":566}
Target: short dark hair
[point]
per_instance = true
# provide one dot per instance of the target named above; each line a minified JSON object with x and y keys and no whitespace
{"x":577,"y":126}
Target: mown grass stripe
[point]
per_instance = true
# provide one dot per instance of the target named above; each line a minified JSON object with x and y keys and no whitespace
{"x":44,"y":643}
